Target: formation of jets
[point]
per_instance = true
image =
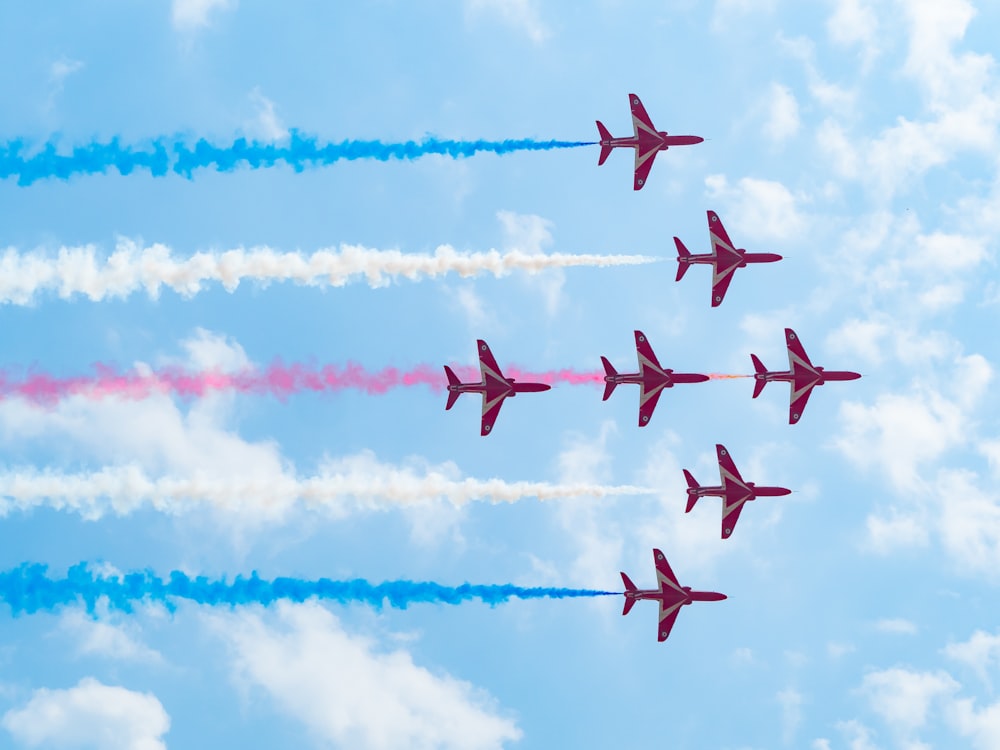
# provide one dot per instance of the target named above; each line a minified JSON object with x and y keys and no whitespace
{"x":652,"y":378}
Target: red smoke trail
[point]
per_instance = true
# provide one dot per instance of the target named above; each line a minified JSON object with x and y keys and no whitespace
{"x":277,"y":379}
{"x":722,"y":376}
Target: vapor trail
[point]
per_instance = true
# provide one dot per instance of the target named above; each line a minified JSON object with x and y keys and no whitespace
{"x":277,"y":379}
{"x":164,"y":154}
{"x":28,"y":589}
{"x":357,"y":482}
{"x":133,"y":267}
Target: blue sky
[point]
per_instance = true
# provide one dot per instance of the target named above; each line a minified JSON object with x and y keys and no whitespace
{"x":859,"y":139}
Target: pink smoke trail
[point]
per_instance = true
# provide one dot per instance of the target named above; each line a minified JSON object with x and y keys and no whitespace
{"x":277,"y":379}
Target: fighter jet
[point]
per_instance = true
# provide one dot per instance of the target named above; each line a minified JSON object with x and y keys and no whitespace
{"x":671,"y":595}
{"x":725,"y":258}
{"x":652,"y":378}
{"x":494,"y":387}
{"x":734,"y":491}
{"x":646,"y":140}
{"x":802,"y":375}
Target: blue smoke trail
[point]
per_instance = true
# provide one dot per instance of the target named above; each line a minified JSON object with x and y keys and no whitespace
{"x":299,"y":152}
{"x":28,"y":589}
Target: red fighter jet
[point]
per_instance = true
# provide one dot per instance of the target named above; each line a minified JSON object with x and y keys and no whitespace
{"x":652,"y":378}
{"x":725,"y":258}
{"x":671,"y":595}
{"x":646,"y":140}
{"x":494,"y":387}
{"x":802,"y":374}
{"x":735,"y":492}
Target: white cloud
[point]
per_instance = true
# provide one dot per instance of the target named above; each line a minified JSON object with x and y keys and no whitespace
{"x":948,"y":79}
{"x":90,"y":715}
{"x":519,"y":14}
{"x":350,"y":692}
{"x":783,"y":114}
{"x":982,"y":726}
{"x":959,"y":90}
{"x":762,"y":209}
{"x":901,"y":434}
{"x":980,"y":653}
{"x":896,"y":626}
{"x":898,"y":530}
{"x":903,"y":697}
{"x":854,"y":23}
{"x":532,"y":234}
{"x":829,"y":95}
{"x":969,"y":521}
{"x":191,"y":15}
{"x":790,"y":701}
{"x":730,"y":12}
{"x":100,"y":636}
{"x":266,"y":125}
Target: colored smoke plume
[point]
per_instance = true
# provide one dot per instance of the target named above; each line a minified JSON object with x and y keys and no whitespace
{"x":353,"y":483}
{"x":164,"y":155}
{"x":28,"y":589}
{"x":133,"y":267}
{"x":277,"y":379}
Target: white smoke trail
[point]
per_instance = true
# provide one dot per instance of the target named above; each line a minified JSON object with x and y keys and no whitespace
{"x":132,"y":266}
{"x":123,"y":490}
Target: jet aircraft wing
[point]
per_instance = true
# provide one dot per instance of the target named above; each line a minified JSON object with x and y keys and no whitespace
{"x":730,"y":515}
{"x":643,"y":163}
{"x":720,"y":282}
{"x":640,"y":120}
{"x":647,"y":402}
{"x":487,"y":364}
{"x":798,"y":403}
{"x":668,"y":616}
{"x":796,"y":352}
{"x":645,"y":354}
{"x":717,"y":233}
{"x":727,"y":468}
{"x":491,"y":408}
{"x":663,"y":572}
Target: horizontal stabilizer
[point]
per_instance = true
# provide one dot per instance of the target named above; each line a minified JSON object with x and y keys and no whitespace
{"x":682,"y":253}
{"x":604,"y":136}
{"x":452,"y":380}
{"x":692,"y":484}
{"x":629,"y":601}
{"x":759,"y":369}
{"x":609,"y":385}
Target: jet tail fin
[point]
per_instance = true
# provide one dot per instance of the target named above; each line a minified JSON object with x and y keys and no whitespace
{"x":692,"y":484}
{"x":629,"y":601}
{"x":609,"y":385}
{"x":759,"y":369}
{"x":605,"y":135}
{"x":682,"y":254}
{"x":452,"y":380}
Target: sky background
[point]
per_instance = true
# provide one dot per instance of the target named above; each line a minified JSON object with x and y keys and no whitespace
{"x":858,"y":139}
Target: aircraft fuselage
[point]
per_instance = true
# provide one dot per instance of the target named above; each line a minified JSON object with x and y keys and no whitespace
{"x":670,"y":596}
